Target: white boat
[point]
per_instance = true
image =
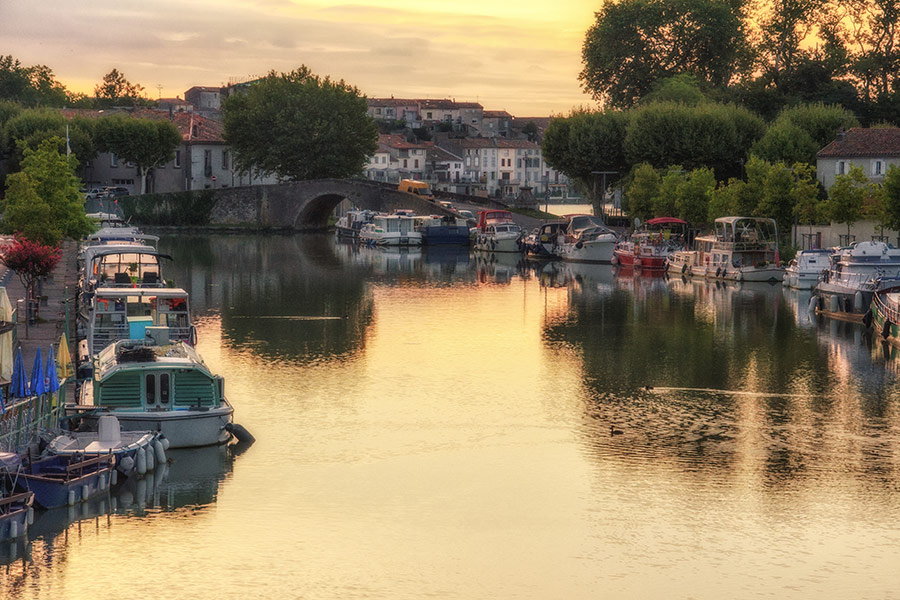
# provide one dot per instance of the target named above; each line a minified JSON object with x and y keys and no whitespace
{"x":588,"y":240}
{"x":121,"y":264}
{"x":157,"y":386}
{"x":390,"y":230}
{"x":739,"y":249}
{"x":805,"y":270}
{"x":855,"y":274}
{"x":502,"y":236}
{"x":135,"y":452}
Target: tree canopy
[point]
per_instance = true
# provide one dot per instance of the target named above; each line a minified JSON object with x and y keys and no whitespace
{"x":144,"y":142}
{"x":300,"y":126}
{"x":635,"y":43}
{"x":42,"y":200}
{"x":116,"y":90}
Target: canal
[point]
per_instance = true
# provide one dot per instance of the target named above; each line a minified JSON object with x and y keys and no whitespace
{"x":432,"y":424}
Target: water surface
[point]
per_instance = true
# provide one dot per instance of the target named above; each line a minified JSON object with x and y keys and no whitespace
{"x":438,"y":425}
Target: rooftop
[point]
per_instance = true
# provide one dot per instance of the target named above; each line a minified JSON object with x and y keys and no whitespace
{"x":862,"y":142}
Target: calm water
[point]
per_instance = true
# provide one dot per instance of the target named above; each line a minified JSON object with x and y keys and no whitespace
{"x":431,"y":425}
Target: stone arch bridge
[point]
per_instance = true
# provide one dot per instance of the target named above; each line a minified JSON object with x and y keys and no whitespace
{"x":306,"y":205}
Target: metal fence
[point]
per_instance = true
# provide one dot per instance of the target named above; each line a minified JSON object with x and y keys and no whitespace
{"x":23,"y":418}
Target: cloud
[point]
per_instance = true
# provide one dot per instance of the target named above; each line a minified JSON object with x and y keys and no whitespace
{"x":516,"y":63}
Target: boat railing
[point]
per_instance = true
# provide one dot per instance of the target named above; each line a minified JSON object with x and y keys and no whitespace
{"x":889,"y":312}
{"x":757,"y":246}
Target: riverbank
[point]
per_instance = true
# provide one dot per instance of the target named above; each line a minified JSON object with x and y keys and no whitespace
{"x":51,"y":321}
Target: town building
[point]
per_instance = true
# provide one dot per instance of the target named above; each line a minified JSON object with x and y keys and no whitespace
{"x":874,"y":150}
{"x":202,"y":161}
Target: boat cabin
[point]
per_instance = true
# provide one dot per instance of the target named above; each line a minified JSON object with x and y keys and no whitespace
{"x":122,"y":265}
{"x":486,"y":217}
{"x":125,"y":313}
{"x":141,"y":375}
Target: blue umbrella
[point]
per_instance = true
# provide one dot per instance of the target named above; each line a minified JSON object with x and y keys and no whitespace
{"x":37,"y":375}
{"x":18,"y":386}
{"x":53,"y":380}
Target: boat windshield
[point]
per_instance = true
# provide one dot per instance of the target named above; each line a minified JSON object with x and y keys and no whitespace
{"x":746,"y":229}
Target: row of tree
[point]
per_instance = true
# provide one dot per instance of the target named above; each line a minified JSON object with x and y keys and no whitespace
{"x":36,"y":85}
{"x":762,"y":55}
{"x":721,"y":137}
{"x":788,"y":194}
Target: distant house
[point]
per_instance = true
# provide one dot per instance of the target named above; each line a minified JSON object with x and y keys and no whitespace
{"x":202,"y":161}
{"x":204,"y":98}
{"x":496,"y":123}
{"x":872,"y":149}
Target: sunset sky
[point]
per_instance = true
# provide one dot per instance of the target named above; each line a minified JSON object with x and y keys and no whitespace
{"x":523,"y":57}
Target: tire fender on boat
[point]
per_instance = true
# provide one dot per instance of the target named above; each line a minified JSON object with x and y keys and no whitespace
{"x":141,"y":461}
{"x":886,"y":329}
{"x":614,"y":260}
{"x":684,"y":267}
{"x":718,"y":271}
{"x":867,"y":319}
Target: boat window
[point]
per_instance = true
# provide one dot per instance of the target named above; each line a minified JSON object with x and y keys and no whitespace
{"x":151,"y":388}
{"x":164,"y":389}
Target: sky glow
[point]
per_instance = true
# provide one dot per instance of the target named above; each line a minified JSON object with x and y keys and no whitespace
{"x":523,"y":57}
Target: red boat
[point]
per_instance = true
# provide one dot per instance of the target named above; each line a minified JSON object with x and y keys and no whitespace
{"x":649,"y":247}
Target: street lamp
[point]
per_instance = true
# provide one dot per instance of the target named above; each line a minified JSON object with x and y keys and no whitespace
{"x":600,"y":205}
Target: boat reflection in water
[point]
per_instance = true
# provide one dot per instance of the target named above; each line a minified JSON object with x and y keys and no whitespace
{"x":500,"y":267}
{"x":189,"y":480}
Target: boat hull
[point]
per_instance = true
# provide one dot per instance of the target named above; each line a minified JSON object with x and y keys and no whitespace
{"x":14,"y":515}
{"x":55,"y":485}
{"x":598,"y":251}
{"x":485,"y":243}
{"x":183,"y":428}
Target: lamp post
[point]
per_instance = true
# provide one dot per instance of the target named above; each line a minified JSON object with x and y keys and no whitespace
{"x":600,"y":203}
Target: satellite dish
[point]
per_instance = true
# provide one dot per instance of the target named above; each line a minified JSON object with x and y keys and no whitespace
{"x":637,"y":222}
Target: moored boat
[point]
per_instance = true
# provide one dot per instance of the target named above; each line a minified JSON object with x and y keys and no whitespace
{"x":885,"y":314}
{"x":805,"y":270}
{"x":650,"y":247}
{"x":440,"y":230}
{"x":390,"y":230}
{"x":157,"y":386}
{"x":588,"y":240}
{"x":61,"y":480}
{"x":739,"y":249}
{"x":135,"y":452}
{"x":846,"y":289}
{"x":16,"y":512}
{"x":545,"y":241}
{"x":349,"y":225}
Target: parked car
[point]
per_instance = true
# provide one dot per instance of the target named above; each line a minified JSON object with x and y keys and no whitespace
{"x":95,"y":193}
{"x":116,"y":191}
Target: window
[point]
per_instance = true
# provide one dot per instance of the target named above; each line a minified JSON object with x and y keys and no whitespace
{"x":151,"y":389}
{"x":113,"y":160}
{"x":177,"y":159}
{"x":405,"y":163}
{"x":839,"y":167}
{"x":877,"y":168}
{"x":428,"y":115}
{"x":416,"y":164}
{"x":207,"y":162}
{"x":164,"y":389}
{"x":225,"y":159}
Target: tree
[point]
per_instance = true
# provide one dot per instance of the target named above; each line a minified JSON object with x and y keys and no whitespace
{"x":300,"y":126}
{"x":784,"y":26}
{"x":805,"y":194}
{"x":31,"y":86}
{"x":642,"y":191}
{"x":42,"y":201}
{"x":682,"y":88}
{"x":531,"y":131}
{"x":116,"y":90}
{"x":785,"y":142}
{"x":693,"y":195}
{"x":890,"y":190}
{"x":144,"y":142}
{"x":32,"y":126}
{"x":664,"y":203}
{"x":847,"y":197}
{"x":31,"y":261}
{"x":635,"y":43}
{"x":707,"y":135}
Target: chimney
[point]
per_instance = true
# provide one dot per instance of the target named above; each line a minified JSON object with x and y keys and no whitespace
{"x":840,"y":136}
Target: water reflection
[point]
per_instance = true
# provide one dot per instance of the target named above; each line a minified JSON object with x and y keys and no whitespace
{"x":188,"y":481}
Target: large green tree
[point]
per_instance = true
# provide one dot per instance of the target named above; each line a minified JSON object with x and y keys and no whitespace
{"x":847,"y":197}
{"x":635,"y":43}
{"x":300,"y":126}
{"x":642,"y":190}
{"x":42,"y":200}
{"x":707,"y":135}
{"x":144,"y":142}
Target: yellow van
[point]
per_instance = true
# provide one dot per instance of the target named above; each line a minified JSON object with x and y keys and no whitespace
{"x":419,"y":188}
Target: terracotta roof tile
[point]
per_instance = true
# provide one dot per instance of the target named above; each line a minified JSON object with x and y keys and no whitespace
{"x":859,"y":141}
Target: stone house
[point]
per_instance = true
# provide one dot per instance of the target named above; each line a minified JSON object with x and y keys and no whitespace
{"x":872,"y":149}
